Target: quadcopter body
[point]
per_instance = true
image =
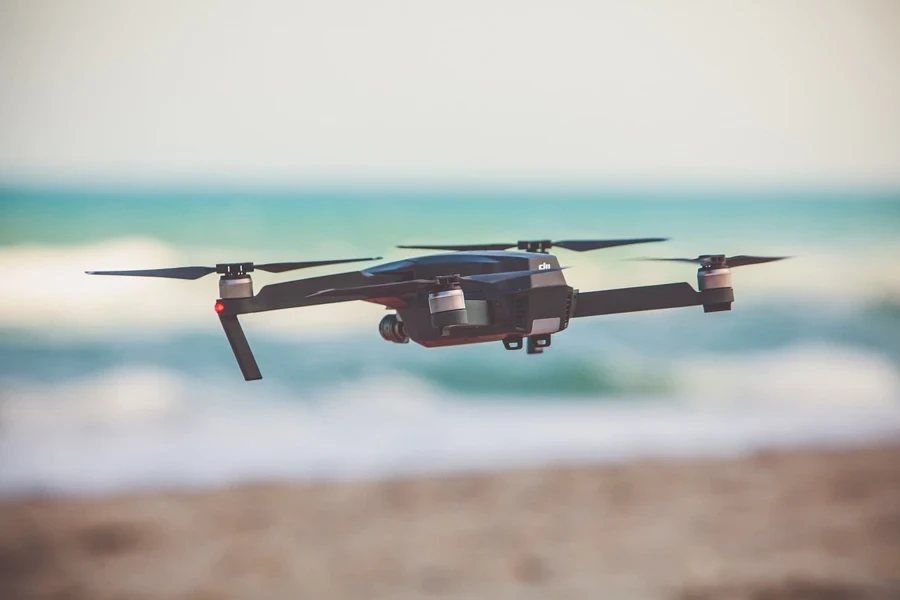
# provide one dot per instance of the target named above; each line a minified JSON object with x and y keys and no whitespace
{"x":463,"y":295}
{"x":529,"y":306}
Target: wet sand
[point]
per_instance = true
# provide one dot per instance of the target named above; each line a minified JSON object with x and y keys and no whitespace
{"x":795,"y":524}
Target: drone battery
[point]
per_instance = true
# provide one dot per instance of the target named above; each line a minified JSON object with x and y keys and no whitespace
{"x":235,"y":287}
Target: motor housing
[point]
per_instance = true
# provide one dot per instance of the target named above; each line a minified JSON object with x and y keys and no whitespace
{"x":713,"y":279}
{"x":235,"y":286}
{"x":393,"y":330}
{"x":448,"y":308}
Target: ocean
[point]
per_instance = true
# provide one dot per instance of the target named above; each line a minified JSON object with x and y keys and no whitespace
{"x":110,"y":384}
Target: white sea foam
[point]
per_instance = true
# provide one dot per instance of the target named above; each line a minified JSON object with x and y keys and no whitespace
{"x":48,"y":291}
{"x":817,"y":376}
{"x":140,"y":426}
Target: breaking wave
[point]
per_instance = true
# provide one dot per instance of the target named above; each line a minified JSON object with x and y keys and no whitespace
{"x":118,"y":383}
{"x":141,"y":425}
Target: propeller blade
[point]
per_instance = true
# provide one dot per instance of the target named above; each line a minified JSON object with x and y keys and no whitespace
{"x":576,"y":245}
{"x":173,"y":273}
{"x":730,"y":261}
{"x":198,"y":272}
{"x":585,"y":245}
{"x":743,"y":261}
{"x":508,"y":275}
{"x":281,"y":267}
{"x":461,"y":248}
{"x":681,"y":260}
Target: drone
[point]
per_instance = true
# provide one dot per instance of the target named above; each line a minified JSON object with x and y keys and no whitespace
{"x":511,"y":293}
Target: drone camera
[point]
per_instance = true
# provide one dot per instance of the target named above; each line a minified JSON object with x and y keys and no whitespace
{"x":392,"y":329}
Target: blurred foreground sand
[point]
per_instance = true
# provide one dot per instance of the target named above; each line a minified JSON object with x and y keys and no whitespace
{"x":802,"y":524}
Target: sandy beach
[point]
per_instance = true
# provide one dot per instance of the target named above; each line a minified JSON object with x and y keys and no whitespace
{"x":790,"y":524}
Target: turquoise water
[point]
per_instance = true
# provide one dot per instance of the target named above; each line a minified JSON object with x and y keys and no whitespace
{"x":268,"y":220}
{"x":92,"y":368}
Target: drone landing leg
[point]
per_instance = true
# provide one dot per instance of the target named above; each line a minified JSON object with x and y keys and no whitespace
{"x":537,"y":343}
{"x":512,"y":342}
{"x":240,"y":347}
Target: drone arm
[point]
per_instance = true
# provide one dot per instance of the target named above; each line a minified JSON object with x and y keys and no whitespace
{"x":277,"y":296}
{"x":651,"y":297}
{"x":240,"y":347}
{"x":295,"y":294}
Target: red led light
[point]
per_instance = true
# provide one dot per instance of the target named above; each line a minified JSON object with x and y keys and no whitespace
{"x":219,"y":307}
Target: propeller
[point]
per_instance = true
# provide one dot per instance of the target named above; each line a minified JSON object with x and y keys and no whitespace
{"x":399,"y":288}
{"x":227,"y":269}
{"x":541,"y":245}
{"x":720,"y":260}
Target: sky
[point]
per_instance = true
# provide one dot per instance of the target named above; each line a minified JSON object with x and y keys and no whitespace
{"x":748,"y":92}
